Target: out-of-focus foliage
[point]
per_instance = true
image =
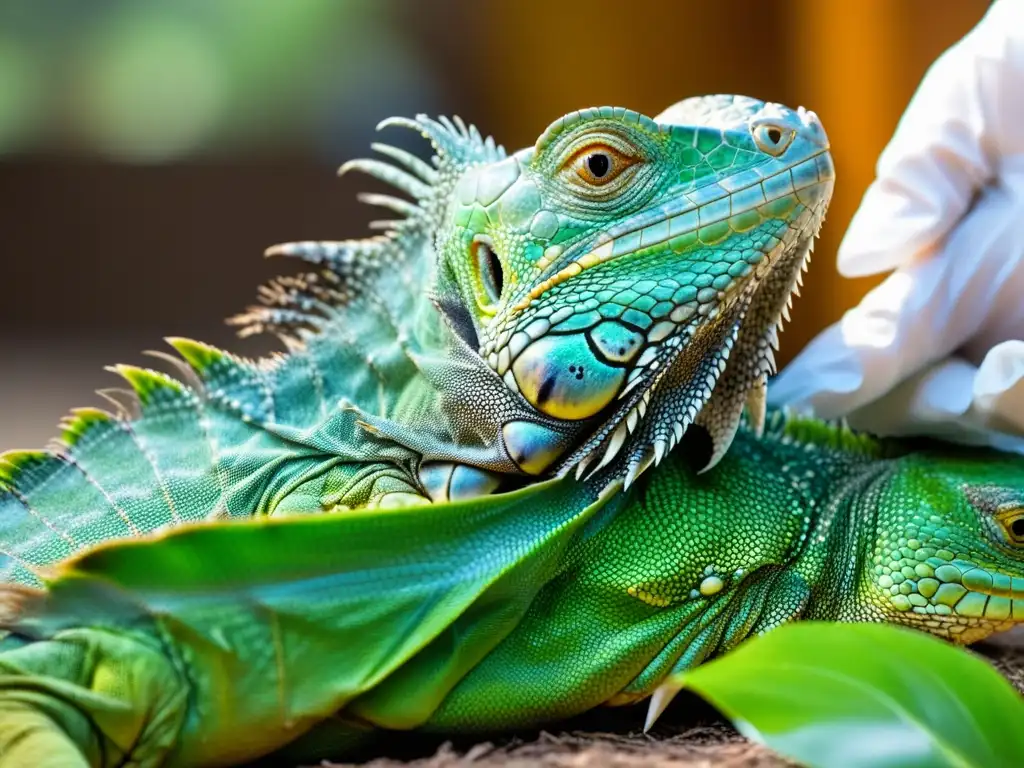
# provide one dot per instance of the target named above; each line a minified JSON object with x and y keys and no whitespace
{"x":155,"y":80}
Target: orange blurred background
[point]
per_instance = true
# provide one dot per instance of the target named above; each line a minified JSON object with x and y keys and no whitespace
{"x":150,"y":152}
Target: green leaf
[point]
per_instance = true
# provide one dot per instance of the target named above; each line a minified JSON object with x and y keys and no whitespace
{"x":865,"y":695}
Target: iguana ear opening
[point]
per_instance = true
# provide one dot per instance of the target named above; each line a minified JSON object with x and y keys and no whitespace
{"x":458,"y":318}
{"x":488,"y":273}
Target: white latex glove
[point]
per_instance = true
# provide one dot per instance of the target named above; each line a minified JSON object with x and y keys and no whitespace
{"x":938,"y":348}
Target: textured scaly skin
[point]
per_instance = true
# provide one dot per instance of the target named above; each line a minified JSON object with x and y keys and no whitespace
{"x":216,"y":644}
{"x":575,"y":322}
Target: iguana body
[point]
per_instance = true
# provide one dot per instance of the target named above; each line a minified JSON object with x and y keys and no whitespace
{"x":528,"y":315}
{"x":217,"y":644}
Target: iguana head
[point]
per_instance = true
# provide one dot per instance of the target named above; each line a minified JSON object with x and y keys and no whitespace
{"x":949,"y":552}
{"x":618,"y":281}
{"x":605,"y":273}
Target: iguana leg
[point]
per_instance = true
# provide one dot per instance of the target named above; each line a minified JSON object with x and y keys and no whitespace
{"x":88,"y":697}
{"x":769,"y":599}
{"x":342,"y":485}
{"x":333,"y":486}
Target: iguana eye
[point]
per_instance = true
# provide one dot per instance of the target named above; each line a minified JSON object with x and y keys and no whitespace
{"x":490,"y":277}
{"x":1013,"y":523}
{"x":598,"y":164}
{"x":772,"y":139}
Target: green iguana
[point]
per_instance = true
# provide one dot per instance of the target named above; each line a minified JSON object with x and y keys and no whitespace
{"x":574,"y":306}
{"x":306,"y":637}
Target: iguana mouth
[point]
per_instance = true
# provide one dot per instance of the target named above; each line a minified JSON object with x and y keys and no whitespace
{"x":952,"y":586}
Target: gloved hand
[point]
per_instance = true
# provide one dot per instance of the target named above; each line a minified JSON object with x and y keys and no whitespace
{"x":938,"y":348}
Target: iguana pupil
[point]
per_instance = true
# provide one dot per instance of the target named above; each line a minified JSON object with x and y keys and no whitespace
{"x":599,"y":164}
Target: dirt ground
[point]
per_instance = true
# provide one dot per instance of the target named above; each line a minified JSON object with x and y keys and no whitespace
{"x":689,"y":734}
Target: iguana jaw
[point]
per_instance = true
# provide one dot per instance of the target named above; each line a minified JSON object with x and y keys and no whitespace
{"x":707,"y":373}
{"x":963,"y":599}
{"x":958,"y":571}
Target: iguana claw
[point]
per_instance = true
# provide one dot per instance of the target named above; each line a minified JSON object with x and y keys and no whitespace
{"x":660,"y":700}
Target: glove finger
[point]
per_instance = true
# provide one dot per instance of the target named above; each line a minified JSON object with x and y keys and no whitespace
{"x":965,"y":116}
{"x":998,"y":395}
{"x":957,"y":401}
{"x":933,"y":401}
{"x":883,"y":340}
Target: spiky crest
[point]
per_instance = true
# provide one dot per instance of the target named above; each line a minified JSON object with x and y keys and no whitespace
{"x":296,"y":306}
{"x":787,"y":425}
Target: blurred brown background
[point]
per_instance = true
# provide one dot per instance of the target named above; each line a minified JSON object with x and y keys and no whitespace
{"x":150,"y":151}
